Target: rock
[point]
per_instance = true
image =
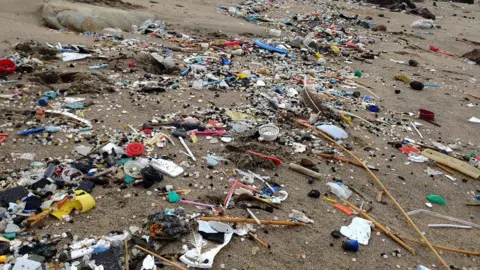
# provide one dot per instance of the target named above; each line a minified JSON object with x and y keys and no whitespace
{"x":416,"y":85}
{"x":424,"y":12}
{"x":412,"y":63}
{"x":473,"y":56}
{"x":82,"y":17}
{"x":382,"y":28}
{"x":314,"y":194}
{"x":307,"y":163}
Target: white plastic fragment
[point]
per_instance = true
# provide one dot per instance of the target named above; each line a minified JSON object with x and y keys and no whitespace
{"x":474,"y":120}
{"x":360,"y":229}
{"x":148,"y":263}
{"x":300,"y":216}
{"x":195,"y":257}
{"x":340,"y":190}
{"x":334,"y":131}
{"x":24,"y":263}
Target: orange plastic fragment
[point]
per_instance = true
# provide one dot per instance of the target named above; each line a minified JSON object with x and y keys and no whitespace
{"x":343,"y":208}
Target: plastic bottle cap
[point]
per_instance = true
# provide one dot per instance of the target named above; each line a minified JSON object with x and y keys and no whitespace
{"x":135,"y":149}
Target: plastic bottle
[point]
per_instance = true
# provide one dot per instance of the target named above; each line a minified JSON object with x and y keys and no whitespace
{"x":421,"y":267}
{"x":52,"y":129}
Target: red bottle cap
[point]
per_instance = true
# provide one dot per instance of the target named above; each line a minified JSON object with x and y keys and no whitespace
{"x":135,"y":149}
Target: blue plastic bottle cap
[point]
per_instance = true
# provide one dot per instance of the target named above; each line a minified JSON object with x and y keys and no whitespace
{"x":43,"y":101}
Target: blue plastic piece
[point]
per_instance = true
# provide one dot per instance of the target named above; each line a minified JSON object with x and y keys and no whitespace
{"x":75,"y":106}
{"x":374,"y":108}
{"x":269,"y":47}
{"x":226,"y":62}
{"x":186,"y":71}
{"x":31,"y":131}
{"x":43,"y":101}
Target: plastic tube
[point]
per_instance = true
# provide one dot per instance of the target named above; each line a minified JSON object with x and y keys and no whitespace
{"x":431,"y":213}
{"x":449,"y":226}
{"x":269,"y":48}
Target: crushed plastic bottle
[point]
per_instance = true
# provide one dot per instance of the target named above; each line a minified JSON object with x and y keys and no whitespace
{"x":340,"y":190}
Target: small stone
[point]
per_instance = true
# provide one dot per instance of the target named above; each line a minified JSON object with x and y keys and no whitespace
{"x":416,"y":85}
{"x":336,"y":234}
{"x":397,"y":91}
{"x":314,"y":194}
{"x":306,"y":163}
{"x":412,"y":63}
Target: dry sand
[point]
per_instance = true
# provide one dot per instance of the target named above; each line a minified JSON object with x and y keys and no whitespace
{"x":20,"y":21}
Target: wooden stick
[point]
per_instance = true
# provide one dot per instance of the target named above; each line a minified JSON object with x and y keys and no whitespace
{"x":160,"y":257}
{"x":475,"y":96}
{"x":127,"y":267}
{"x":462,"y":251}
{"x":380,"y":227}
{"x":346,"y":160}
{"x":452,"y":162}
{"x":258,"y":240}
{"x":251,"y":220}
{"x":445,"y":168}
{"x":374,"y":177}
{"x":303,"y":170}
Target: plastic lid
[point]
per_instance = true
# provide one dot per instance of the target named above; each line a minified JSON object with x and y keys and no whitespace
{"x":7,"y":66}
{"x":133,"y":168}
{"x":135,"y":149}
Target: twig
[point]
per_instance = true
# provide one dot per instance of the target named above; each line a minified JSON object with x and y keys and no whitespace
{"x":462,"y":251}
{"x":258,"y":240}
{"x":375,"y":178}
{"x":445,"y":168}
{"x":160,"y":257}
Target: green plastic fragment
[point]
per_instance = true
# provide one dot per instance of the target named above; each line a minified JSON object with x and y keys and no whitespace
{"x":436,"y":199}
{"x":128,"y":179}
{"x":173,"y":197}
{"x":10,"y":236}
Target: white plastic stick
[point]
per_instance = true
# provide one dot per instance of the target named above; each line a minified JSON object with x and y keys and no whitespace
{"x":431,"y":213}
{"x":254,"y":217}
{"x":449,"y":226}
{"x":188,"y":149}
{"x":414,"y":127}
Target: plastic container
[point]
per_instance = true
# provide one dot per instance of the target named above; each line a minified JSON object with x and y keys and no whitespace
{"x":7,"y":66}
{"x":269,"y":132}
{"x":421,"y":267}
{"x":133,"y":168}
{"x":426,"y":115}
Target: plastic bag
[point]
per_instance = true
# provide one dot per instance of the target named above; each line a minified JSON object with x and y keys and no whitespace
{"x":422,"y":24}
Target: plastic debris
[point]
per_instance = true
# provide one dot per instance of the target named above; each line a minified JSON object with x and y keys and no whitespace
{"x":360,"y":230}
